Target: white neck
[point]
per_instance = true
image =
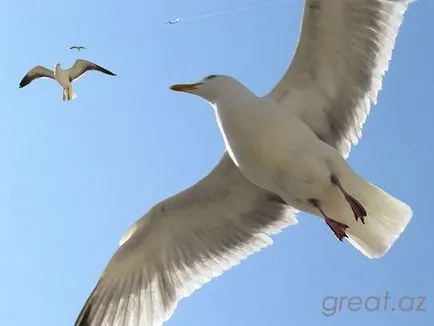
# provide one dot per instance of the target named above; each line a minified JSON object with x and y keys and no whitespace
{"x":239,"y":119}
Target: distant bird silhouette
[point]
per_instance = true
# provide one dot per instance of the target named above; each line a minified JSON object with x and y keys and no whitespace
{"x":63,"y":77}
{"x":77,"y":47}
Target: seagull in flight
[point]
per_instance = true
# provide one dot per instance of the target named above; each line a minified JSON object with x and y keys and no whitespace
{"x":77,"y":47}
{"x":66,"y":77}
{"x":285,"y":152}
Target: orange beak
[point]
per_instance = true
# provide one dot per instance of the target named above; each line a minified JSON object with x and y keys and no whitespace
{"x":188,"y":88}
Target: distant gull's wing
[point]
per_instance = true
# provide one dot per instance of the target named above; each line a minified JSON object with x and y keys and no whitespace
{"x":35,"y":73}
{"x":81,"y":66}
{"x":337,"y":70}
{"x":182,"y":243}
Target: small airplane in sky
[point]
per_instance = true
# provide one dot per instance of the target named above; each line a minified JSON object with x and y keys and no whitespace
{"x":175,"y":21}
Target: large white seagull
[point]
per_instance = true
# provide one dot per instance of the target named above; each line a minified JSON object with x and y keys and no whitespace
{"x":284,"y":152}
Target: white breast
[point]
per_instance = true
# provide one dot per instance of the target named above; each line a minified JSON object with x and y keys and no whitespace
{"x":264,"y":140}
{"x":61,"y":77}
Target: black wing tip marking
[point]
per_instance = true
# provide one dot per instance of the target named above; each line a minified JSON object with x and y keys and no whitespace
{"x":108,"y":72}
{"x":24,"y":82}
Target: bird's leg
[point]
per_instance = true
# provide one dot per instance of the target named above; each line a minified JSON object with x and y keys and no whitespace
{"x":358,"y":210}
{"x":338,"y":228}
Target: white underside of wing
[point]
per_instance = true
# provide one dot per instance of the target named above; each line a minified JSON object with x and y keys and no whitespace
{"x":180,"y":245}
{"x":337,"y":70}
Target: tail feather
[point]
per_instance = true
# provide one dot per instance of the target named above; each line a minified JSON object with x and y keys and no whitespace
{"x":69,"y":94}
{"x":387,"y":217}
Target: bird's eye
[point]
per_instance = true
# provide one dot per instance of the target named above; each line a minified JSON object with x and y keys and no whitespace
{"x":210,"y":77}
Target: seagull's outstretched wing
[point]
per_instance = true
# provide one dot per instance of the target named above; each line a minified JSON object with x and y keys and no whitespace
{"x":81,"y":66}
{"x":77,"y":47}
{"x":337,"y":70}
{"x":182,"y":243}
{"x":35,"y":73}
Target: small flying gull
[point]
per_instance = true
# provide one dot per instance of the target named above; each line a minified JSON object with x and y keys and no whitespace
{"x":77,"y":47}
{"x":64,"y":77}
{"x":285,"y":152}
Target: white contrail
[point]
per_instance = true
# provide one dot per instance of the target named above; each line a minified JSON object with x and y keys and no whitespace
{"x":227,"y":12}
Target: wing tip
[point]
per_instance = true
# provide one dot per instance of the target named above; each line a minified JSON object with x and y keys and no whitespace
{"x":23,"y":83}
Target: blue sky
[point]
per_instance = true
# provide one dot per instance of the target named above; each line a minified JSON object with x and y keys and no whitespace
{"x":75,"y":175}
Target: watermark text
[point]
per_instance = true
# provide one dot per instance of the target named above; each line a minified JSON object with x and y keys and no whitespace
{"x":331,"y":305}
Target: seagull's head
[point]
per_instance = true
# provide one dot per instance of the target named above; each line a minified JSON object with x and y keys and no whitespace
{"x":57,"y":65}
{"x":211,"y":87}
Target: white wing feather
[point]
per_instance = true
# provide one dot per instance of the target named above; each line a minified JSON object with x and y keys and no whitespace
{"x":181,"y":244}
{"x":337,"y":70}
